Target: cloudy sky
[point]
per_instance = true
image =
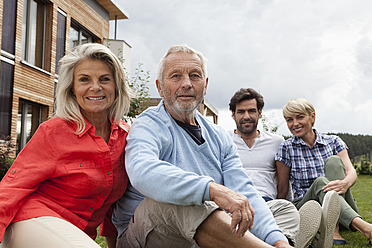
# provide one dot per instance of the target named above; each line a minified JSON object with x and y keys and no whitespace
{"x":320,"y":50}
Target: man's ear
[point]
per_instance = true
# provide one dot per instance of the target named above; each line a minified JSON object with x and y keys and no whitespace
{"x":160,"y":90}
{"x":205,"y":86}
{"x":259,"y":114}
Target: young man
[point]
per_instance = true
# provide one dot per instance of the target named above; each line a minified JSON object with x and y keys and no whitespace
{"x":184,"y":171}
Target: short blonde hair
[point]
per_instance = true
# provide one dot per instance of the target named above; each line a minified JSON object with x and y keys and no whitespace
{"x":67,"y":106}
{"x":298,"y":106}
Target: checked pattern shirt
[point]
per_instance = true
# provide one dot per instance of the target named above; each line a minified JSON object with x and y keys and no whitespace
{"x":307,"y":163}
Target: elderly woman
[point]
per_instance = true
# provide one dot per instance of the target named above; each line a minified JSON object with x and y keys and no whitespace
{"x":64,"y":182}
{"x":315,"y":164}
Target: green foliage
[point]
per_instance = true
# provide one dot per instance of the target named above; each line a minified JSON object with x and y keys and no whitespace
{"x":358,"y":144}
{"x":6,"y":161}
{"x":139,"y":82}
{"x":101,"y":241}
{"x":364,"y":167}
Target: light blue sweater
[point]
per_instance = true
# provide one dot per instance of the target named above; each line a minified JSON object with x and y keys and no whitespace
{"x":164,"y":163}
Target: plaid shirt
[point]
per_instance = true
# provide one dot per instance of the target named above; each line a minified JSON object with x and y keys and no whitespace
{"x":307,"y":163}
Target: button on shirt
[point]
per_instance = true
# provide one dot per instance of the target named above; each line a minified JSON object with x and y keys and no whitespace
{"x":307,"y":163}
{"x":76,"y":177}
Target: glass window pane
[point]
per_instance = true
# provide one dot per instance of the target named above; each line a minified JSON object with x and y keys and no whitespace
{"x":40,"y":23}
{"x":79,"y":35}
{"x":28,"y":121}
{"x":20,"y":121}
{"x":61,"y":38}
{"x":24,"y":30}
{"x":6,"y":88}
{"x":32,"y":26}
{"x":85,"y":39}
{"x":33,"y":32}
{"x":74,"y":38}
{"x":9,"y":26}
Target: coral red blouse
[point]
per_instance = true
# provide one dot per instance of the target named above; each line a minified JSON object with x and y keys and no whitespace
{"x":65,"y":175}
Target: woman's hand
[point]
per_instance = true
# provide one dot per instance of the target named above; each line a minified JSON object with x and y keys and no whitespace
{"x":340,"y":186}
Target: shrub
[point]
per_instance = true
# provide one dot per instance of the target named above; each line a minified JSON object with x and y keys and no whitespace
{"x":364,"y":167}
{"x":6,"y":161}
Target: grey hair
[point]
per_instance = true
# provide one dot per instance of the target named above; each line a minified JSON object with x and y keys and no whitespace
{"x":67,"y":106}
{"x":184,"y":49}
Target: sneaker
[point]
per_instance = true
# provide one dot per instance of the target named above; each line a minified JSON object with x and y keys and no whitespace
{"x":310,"y":218}
{"x":330,"y":212}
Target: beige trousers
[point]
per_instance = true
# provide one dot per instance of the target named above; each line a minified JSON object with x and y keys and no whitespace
{"x":156,"y":224}
{"x":46,"y":232}
{"x":286,"y":217}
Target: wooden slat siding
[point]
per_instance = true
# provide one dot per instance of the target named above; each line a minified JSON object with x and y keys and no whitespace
{"x":86,"y":16}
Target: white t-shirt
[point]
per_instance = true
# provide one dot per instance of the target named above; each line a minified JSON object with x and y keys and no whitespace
{"x":259,"y":161}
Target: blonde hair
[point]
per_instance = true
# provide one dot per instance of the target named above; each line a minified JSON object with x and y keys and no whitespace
{"x":298,"y":106}
{"x":67,"y":106}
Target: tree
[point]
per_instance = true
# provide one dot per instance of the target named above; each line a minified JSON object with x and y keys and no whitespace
{"x":138,"y":83}
{"x":358,"y":144}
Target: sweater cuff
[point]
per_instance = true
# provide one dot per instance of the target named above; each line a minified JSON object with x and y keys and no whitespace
{"x":206,"y":196}
{"x":274,"y":237}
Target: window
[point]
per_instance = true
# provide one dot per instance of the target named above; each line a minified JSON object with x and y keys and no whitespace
{"x":7,"y":64}
{"x":61,"y":36}
{"x":9,"y":26}
{"x":79,"y":35}
{"x":36,"y":33}
{"x":29,"y":119}
{"x":6,"y":88}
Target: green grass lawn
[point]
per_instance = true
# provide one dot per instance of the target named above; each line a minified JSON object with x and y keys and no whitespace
{"x":362,"y":193}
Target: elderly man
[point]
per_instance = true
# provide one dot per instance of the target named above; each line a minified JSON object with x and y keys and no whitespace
{"x":257,"y":149}
{"x":189,"y":171}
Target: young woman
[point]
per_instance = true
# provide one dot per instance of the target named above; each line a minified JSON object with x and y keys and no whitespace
{"x":315,"y":164}
{"x":65,"y":180}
